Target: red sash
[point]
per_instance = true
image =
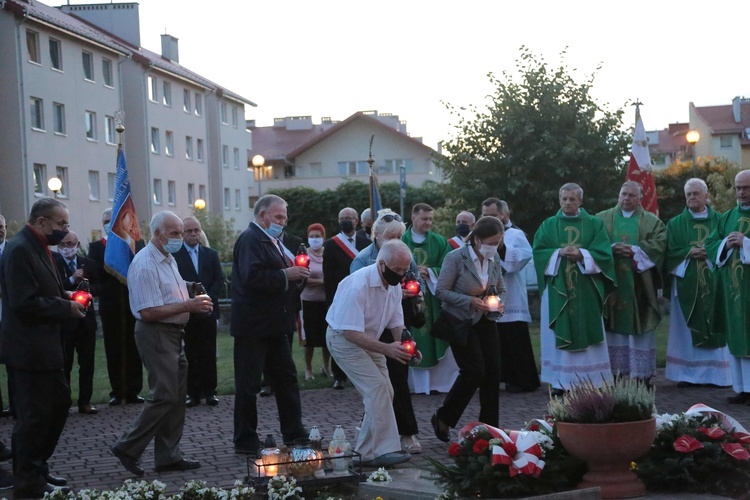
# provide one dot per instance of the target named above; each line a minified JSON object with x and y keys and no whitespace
{"x":344,"y":247}
{"x":453,"y":243}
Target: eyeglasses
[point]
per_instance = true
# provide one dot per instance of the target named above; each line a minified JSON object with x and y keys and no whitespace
{"x":391,"y":217}
{"x":60,"y":224}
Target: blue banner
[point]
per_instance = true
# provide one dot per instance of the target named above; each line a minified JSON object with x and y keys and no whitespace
{"x":124,"y":233}
{"x":375,"y":203}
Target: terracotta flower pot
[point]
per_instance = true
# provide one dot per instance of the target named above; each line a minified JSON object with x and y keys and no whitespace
{"x":608,"y":450}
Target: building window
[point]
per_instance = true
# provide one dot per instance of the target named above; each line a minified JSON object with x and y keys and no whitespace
{"x":237,"y":199}
{"x":58,"y":117}
{"x":93,"y":185}
{"x":234,"y":117}
{"x":91,"y":125}
{"x":155,"y":147}
{"x":157,"y":191}
{"x":198,"y":105}
{"x":725,"y":141}
{"x":225,"y":156}
{"x":109,"y":129}
{"x":88,"y":65}
{"x":107,"y":72}
{"x":191,"y":193}
{"x":40,"y":178}
{"x":62,"y":174}
{"x":188,"y":147}
{"x":169,"y":140}
{"x":152,"y":95}
{"x":171,"y":193}
{"x":186,"y":101}
{"x":36,"y":107}
{"x":223,"y":109}
{"x":237,"y":158}
{"x":227,"y":201}
{"x":111,"y":178}
{"x":200,"y":150}
{"x":202,"y":192}
{"x":167,"y":96}
{"x":55,"y":54}
{"x":32,"y":45}
{"x":353,"y":168}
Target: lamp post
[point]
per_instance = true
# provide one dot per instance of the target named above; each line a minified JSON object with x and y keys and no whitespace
{"x":199,"y":204}
{"x":693,"y":136}
{"x":258,"y":162}
{"x":54,"y":185}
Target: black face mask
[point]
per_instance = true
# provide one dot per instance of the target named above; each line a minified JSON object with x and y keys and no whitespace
{"x":462,"y":230}
{"x":368,"y":230}
{"x":56,"y":237}
{"x":346,"y":226}
{"x":390,"y":276}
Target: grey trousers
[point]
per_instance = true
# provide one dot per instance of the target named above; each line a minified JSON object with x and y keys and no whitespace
{"x":163,"y":417}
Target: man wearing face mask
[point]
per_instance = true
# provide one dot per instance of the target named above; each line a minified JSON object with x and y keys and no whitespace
{"x":338,"y":254}
{"x":367,"y":303}
{"x":264,"y":283}
{"x":160,"y":301}
{"x":464,"y":224}
{"x":367,"y":221}
{"x":79,"y":334}
{"x":31,"y":345}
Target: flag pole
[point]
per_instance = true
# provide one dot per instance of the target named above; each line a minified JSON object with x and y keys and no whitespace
{"x":371,"y":161}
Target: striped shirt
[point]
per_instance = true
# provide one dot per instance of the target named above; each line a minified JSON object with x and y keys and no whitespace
{"x":153,"y":281}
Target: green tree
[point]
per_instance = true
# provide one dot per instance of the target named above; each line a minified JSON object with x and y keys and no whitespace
{"x":536,"y":134}
{"x":219,"y":233}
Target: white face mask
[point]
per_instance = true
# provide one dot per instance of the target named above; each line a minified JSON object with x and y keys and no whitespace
{"x":68,"y":253}
{"x":488,"y":251}
{"x":315,"y":243}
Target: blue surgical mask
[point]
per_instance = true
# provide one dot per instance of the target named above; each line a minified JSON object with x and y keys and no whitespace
{"x":274,"y":230}
{"x":315,"y":243}
{"x":173,"y":245}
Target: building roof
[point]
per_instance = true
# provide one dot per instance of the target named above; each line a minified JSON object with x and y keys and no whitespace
{"x":671,"y":139}
{"x":275,"y":142}
{"x":721,"y":119}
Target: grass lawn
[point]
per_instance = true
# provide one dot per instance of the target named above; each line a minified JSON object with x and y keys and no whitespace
{"x":225,"y":365}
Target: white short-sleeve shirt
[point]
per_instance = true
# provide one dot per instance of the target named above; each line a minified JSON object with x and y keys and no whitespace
{"x":154,"y":280}
{"x":363,"y":304}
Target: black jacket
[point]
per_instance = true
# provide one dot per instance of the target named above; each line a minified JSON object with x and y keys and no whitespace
{"x":209,"y":272}
{"x":89,"y":268}
{"x":336,"y":264}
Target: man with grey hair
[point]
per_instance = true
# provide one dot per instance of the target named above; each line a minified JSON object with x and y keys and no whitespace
{"x":367,"y":220}
{"x":464,"y":224}
{"x":264,"y":284}
{"x":367,"y":303}
{"x":695,"y":353}
{"x":639,"y":243}
{"x":161,"y":304}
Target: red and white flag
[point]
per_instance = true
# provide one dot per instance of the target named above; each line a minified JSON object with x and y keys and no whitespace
{"x":639,"y":169}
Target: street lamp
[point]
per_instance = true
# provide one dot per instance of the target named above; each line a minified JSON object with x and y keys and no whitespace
{"x":258,"y":162}
{"x":54,"y":185}
{"x":199,"y":204}
{"x":693,"y":136}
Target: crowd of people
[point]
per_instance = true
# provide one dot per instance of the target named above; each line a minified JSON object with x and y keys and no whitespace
{"x":600,"y":280}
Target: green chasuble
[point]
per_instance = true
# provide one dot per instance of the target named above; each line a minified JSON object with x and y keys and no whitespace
{"x":731,"y":315}
{"x":575,"y":299}
{"x":695,"y":288}
{"x":430,"y":253}
{"x":632,"y":309}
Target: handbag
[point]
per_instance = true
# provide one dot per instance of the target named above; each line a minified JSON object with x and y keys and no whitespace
{"x":414,"y":315}
{"x":451,"y":329}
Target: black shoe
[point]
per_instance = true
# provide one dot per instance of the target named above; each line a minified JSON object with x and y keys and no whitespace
{"x":131,"y":464}
{"x":6,"y":454}
{"x":180,"y":465}
{"x":266,"y":391}
{"x":557,"y":393}
{"x":136,"y":400}
{"x":115,"y":401}
{"x":338,"y":384}
{"x":289,"y":440}
{"x":55,"y":481}
{"x":442,"y":434}
{"x":8,"y":412}
{"x":212,"y":400}
{"x":513,"y":388}
{"x":742,"y":398}
{"x":6,"y":479}
{"x":246,"y":451}
{"x":86,"y":410}
{"x":191,"y":402}
{"x":38,"y":492}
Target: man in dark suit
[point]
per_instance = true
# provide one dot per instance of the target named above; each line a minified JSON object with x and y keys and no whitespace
{"x":263,"y":314}
{"x":31,"y":345}
{"x":118,"y":324}
{"x":338,"y":254}
{"x":200,"y":264}
{"x":79,"y":335}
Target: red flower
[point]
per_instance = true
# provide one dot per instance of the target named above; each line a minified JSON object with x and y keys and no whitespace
{"x":510,"y":448}
{"x":736,"y":450}
{"x":742,"y":438}
{"x":454,"y":450}
{"x":712,"y":432}
{"x":480,"y":445}
{"x":686,"y":444}
{"x":533,"y":426}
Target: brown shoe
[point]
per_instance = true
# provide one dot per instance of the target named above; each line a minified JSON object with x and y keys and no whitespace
{"x":87,"y":410}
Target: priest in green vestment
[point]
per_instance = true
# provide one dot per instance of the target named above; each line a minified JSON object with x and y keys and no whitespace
{"x":639,"y":244}
{"x":429,"y":249}
{"x":695,"y":353}
{"x":575,"y":271}
{"x":729,"y":247}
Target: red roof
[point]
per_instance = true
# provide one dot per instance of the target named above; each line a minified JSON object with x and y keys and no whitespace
{"x":720,"y":119}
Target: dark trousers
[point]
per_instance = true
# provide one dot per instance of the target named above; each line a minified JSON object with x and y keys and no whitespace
{"x":267,"y":371}
{"x":41,"y":400}
{"x":200,"y":349}
{"x":124,"y":365}
{"x":517,"y":364}
{"x":82,"y":340}
{"x":337,"y":372}
{"x":251,"y":355}
{"x":398,"y":373}
{"x":479,"y":368}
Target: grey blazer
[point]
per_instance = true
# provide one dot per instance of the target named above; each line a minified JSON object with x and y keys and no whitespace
{"x":459,"y":282}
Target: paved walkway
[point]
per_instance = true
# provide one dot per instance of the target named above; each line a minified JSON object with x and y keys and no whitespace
{"x":82,"y":454}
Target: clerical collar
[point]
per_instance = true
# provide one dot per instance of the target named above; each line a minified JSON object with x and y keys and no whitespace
{"x":508,"y":225}
{"x":578,"y":212}
{"x":744,"y":207}
{"x":699,"y":215}
{"x":627,"y":215}
{"x":418,"y":238}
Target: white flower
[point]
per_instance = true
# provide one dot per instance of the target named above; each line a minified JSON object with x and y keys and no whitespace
{"x":379,"y":476}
